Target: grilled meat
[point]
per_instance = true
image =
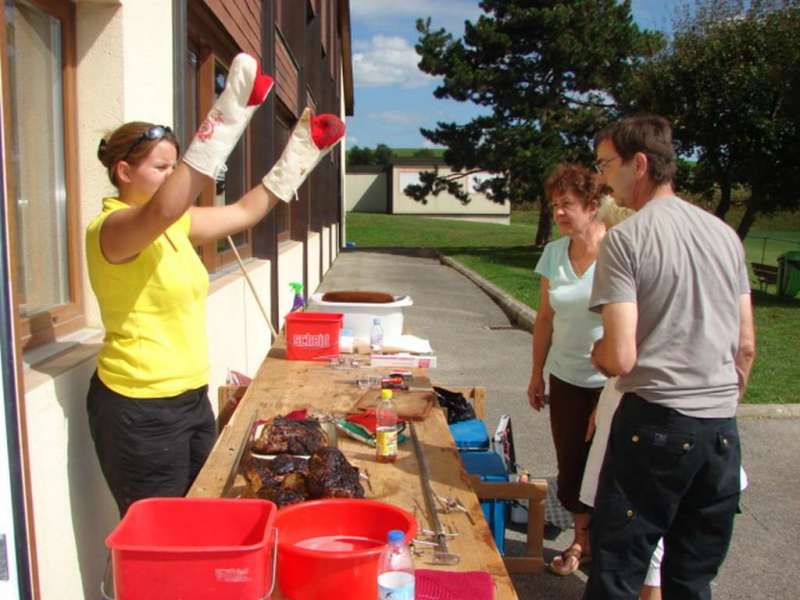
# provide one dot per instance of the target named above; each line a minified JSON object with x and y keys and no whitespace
{"x":331,"y":476}
{"x":290,"y":436}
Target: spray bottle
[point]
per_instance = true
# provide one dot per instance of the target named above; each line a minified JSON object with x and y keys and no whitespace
{"x":298,"y":303}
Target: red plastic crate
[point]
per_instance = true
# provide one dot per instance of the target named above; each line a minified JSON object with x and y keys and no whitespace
{"x":310,"y":335}
{"x":194,"y":549}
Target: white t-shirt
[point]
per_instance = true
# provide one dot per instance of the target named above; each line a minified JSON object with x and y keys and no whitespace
{"x":575,"y":328}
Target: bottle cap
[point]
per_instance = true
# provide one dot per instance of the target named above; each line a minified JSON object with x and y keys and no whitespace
{"x":395,"y":535}
{"x":386,"y":394}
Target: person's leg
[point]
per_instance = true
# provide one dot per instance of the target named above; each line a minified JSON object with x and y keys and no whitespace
{"x":203,"y":435}
{"x":698,"y":538}
{"x":142,"y":445}
{"x":648,"y":465}
{"x":570,"y":409}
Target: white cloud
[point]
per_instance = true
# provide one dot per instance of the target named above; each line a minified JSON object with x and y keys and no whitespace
{"x":449,"y":14}
{"x":351,"y":141}
{"x":397,"y":117}
{"x":387,"y":60}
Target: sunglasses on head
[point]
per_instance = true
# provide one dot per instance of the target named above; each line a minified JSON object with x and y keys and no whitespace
{"x":156,"y":132}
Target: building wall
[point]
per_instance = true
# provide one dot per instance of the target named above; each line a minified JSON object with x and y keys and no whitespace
{"x":367,"y":192}
{"x":124,"y":72}
{"x":444,"y":203}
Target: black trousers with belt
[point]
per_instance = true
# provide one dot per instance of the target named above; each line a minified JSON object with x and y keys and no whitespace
{"x":665,"y":475}
{"x":149,"y":447}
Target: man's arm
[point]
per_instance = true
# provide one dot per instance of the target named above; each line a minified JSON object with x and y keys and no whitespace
{"x":615,"y":352}
{"x":746,"y":353}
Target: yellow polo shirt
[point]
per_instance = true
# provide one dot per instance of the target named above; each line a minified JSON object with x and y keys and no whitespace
{"x":153,"y":309}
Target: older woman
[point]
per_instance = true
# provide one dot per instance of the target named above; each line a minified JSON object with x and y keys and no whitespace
{"x":563,"y":335}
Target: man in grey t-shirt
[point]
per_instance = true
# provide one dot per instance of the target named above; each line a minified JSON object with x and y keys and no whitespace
{"x":672,"y":286}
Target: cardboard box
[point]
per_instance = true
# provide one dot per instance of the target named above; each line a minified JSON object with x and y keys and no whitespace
{"x":407,"y":361}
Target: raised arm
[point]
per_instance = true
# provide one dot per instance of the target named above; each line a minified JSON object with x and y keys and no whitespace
{"x":312,"y":138}
{"x":126,"y":232}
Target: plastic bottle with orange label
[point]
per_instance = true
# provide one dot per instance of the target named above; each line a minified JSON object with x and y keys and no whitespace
{"x":386,"y":429}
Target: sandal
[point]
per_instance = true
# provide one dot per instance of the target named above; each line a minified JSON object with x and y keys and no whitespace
{"x":569,"y":561}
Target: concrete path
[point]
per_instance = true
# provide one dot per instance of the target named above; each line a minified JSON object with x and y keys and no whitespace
{"x":476,"y":345}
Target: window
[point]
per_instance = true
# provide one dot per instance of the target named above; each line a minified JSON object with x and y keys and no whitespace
{"x":39,"y":101}
{"x":207,"y":64}
{"x":283,"y":128}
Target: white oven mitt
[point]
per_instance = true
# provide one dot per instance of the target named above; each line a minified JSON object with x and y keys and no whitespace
{"x":244,"y":92}
{"x":312,"y":138}
{"x":611,"y":213}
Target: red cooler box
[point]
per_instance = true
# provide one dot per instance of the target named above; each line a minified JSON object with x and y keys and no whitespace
{"x":194,"y":548}
{"x":311,"y":335}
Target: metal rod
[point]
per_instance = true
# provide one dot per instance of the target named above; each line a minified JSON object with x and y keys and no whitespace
{"x":252,"y":287}
{"x":443,"y":555}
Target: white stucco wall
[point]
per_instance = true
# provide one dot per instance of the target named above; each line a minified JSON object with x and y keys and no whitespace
{"x":367,"y":192}
{"x":326,"y":248}
{"x":290,"y":268}
{"x":444,"y":203}
{"x":124,"y":73}
{"x":314,"y":250}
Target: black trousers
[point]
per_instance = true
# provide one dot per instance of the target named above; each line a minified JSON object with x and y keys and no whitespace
{"x":149,"y":447}
{"x":665,"y":474}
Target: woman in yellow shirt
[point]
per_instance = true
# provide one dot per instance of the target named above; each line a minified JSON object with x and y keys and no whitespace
{"x":148,"y":407}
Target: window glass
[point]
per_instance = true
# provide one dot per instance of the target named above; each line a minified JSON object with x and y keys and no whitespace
{"x":37,"y":182}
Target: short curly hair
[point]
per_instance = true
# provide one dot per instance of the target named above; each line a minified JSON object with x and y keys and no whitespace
{"x":579,"y":180}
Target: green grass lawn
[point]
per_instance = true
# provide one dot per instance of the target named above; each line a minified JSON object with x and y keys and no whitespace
{"x":504,"y":255}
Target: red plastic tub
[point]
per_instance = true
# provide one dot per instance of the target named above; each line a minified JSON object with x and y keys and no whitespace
{"x":330,"y":548}
{"x":310,"y":335}
{"x":194,"y":548}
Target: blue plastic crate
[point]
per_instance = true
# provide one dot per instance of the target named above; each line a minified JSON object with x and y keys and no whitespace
{"x":489,"y":466}
{"x":470,"y":435}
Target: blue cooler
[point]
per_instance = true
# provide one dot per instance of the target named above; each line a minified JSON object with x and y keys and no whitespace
{"x":470,"y":435}
{"x":490,"y":467}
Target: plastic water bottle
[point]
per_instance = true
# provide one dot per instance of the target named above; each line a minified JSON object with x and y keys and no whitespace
{"x":386,"y":429}
{"x":396,"y":569}
{"x":376,"y":335}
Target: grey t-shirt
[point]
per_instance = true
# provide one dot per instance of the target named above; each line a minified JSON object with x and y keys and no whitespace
{"x":685,"y":270}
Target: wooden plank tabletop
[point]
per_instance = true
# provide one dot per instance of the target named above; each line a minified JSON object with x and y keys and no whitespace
{"x":281,"y":386}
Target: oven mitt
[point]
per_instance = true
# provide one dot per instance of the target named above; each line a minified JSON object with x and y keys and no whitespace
{"x":312,"y":138}
{"x":213,"y":142}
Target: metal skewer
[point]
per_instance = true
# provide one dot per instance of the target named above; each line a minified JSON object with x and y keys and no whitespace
{"x":442,"y":555}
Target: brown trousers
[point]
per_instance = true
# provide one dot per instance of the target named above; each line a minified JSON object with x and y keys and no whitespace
{"x":570,"y":409}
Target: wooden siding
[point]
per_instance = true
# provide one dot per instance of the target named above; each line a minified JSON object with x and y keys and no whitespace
{"x":287,"y":77}
{"x":242,"y":20}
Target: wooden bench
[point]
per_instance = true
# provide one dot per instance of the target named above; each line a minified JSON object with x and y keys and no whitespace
{"x":534,"y":492}
{"x":766,"y":274}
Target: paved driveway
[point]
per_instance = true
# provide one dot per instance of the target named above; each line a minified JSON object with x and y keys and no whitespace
{"x":476,"y":345}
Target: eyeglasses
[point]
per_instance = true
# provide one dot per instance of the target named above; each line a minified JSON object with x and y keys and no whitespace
{"x":156,"y":132}
{"x":601,"y":164}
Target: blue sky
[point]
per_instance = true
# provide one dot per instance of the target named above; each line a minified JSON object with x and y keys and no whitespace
{"x":393,"y":98}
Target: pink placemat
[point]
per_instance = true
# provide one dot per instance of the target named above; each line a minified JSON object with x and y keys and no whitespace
{"x":453,"y":585}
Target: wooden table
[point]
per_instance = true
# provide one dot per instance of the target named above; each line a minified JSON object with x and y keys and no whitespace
{"x":281,"y":386}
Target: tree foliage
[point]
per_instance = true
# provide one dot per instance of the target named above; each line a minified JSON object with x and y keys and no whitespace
{"x":380,"y":156}
{"x":730,"y":83}
{"x":547,"y":74}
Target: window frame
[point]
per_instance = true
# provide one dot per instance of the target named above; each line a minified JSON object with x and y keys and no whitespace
{"x":47,"y":325}
{"x":211,"y":45}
